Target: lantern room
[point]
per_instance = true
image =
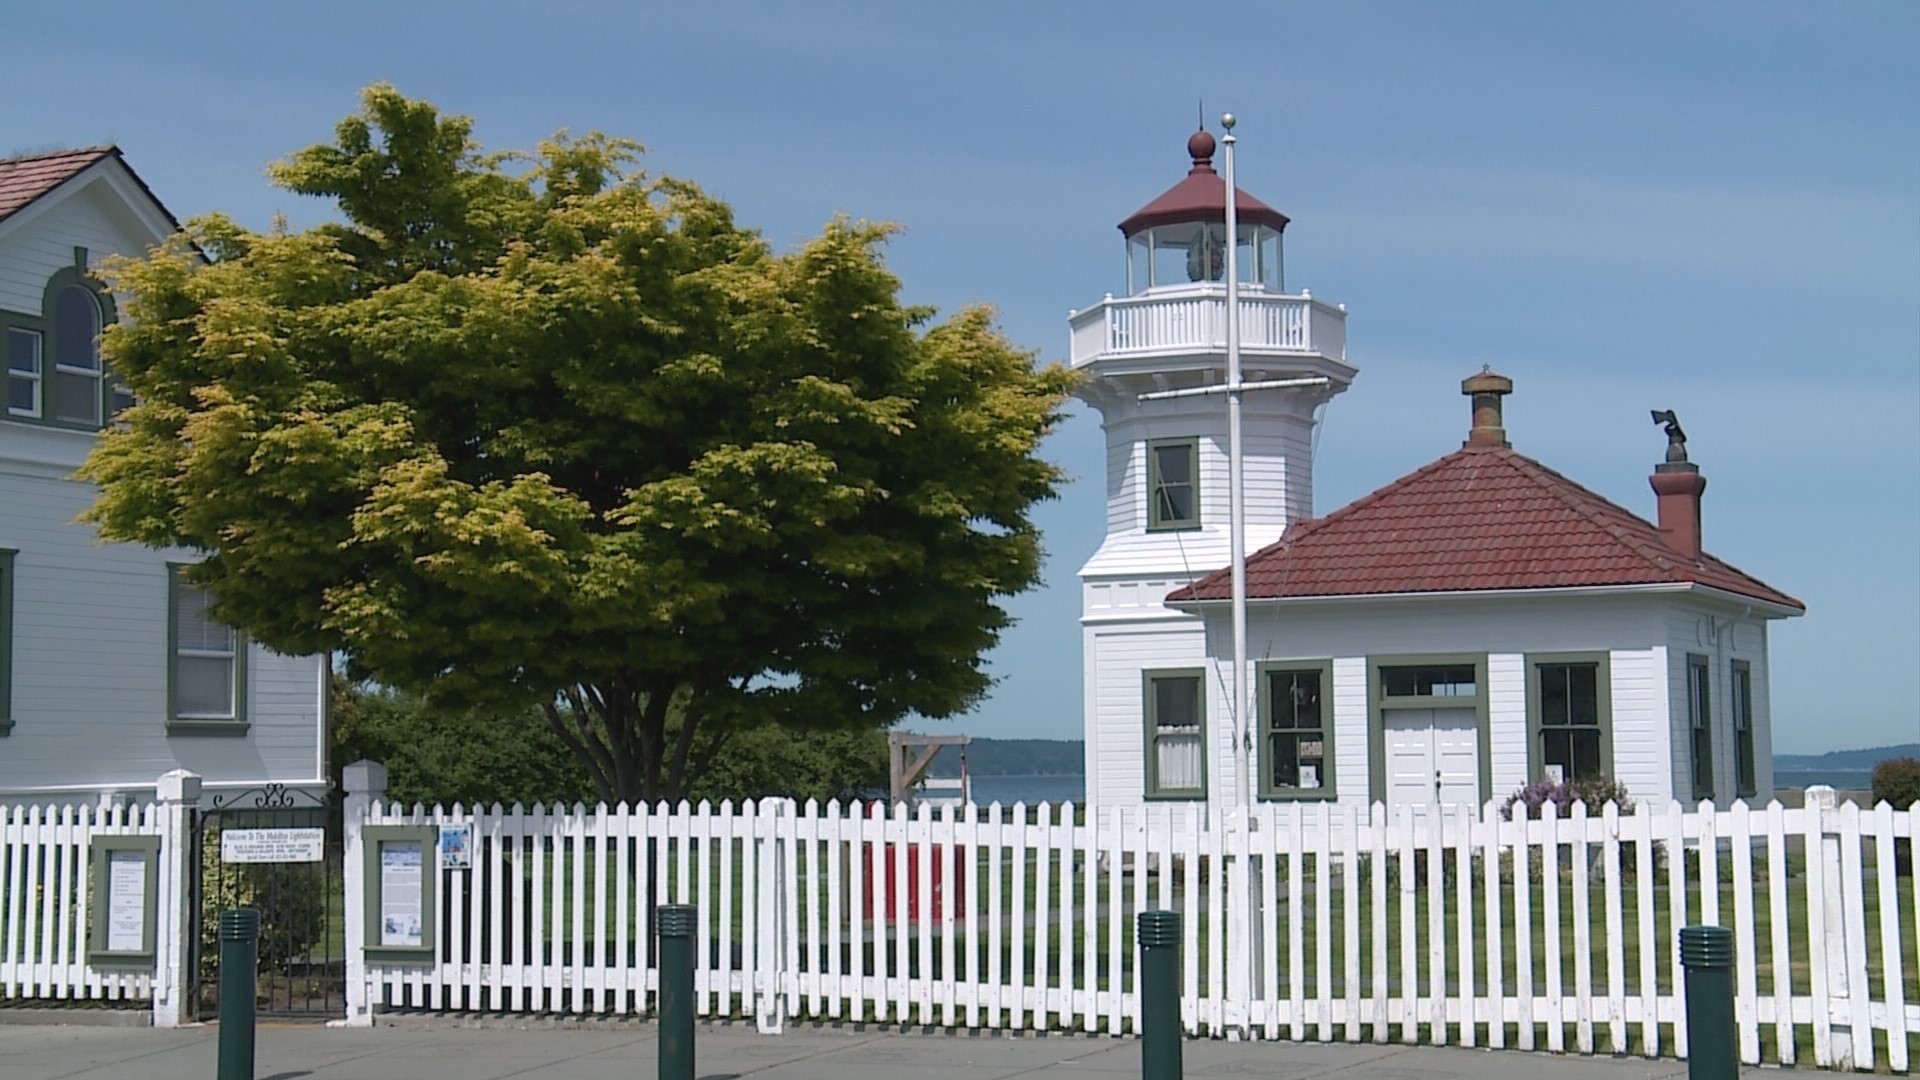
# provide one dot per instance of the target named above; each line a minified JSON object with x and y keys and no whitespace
{"x":1180,"y":238}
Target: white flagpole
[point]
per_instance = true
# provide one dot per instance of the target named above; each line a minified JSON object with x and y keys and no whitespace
{"x":1244,"y":920}
{"x":1237,"y":509}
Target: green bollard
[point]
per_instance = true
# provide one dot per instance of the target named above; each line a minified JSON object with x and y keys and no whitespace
{"x":239,"y":957}
{"x":676,"y":925}
{"x":1706,"y":952}
{"x":1160,"y":1035}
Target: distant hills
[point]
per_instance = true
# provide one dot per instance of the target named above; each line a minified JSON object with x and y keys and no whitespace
{"x":1014,"y":757}
{"x":1844,"y":759}
{"x":1067,"y":757}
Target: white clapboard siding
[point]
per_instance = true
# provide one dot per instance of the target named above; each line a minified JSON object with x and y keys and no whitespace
{"x":1426,"y":925}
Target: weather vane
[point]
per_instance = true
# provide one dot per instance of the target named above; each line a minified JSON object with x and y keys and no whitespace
{"x":1676,"y":438}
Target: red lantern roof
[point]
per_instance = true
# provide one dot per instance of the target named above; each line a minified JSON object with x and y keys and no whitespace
{"x":1202,"y":196}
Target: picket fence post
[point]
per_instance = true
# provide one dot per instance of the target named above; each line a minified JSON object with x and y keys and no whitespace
{"x":365,"y":783}
{"x":178,"y":795}
{"x":774,"y":914}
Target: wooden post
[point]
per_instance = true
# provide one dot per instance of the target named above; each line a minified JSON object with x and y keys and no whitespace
{"x":904,"y":768}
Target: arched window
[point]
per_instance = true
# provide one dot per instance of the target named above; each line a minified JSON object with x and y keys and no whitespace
{"x":75,"y":397}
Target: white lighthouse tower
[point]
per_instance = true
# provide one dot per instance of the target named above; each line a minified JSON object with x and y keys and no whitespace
{"x":1157,"y":726}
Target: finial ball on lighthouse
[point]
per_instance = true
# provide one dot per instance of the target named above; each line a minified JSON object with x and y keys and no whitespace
{"x":1200,"y":146}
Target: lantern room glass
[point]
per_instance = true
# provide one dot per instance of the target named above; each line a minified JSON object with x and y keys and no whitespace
{"x":1188,"y":252}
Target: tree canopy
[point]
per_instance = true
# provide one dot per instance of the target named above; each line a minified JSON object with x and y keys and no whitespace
{"x":542,"y":431}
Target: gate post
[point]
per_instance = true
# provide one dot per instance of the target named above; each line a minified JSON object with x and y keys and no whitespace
{"x":1824,"y":801}
{"x":365,"y":783}
{"x":176,"y":915}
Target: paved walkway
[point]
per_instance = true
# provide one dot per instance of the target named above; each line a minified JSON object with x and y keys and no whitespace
{"x":806,"y":1053}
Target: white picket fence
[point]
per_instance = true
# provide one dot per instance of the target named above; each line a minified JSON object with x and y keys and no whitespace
{"x":45,"y":899}
{"x":1313,"y":923}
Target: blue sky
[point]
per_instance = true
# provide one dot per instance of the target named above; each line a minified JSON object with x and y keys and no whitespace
{"x":1709,"y":208}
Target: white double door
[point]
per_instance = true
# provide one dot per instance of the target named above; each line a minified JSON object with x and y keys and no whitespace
{"x":1433,"y":755}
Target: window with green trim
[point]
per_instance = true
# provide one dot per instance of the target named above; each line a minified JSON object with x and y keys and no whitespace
{"x":206,"y":676}
{"x":1173,"y":484}
{"x":1296,"y":732}
{"x":6,"y":640}
{"x":1700,"y":722}
{"x":54,"y":371}
{"x":1746,"y":780}
{"x":1569,"y":718}
{"x":1176,"y":736}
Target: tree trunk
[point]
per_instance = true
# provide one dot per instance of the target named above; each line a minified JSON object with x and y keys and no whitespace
{"x":619,"y":735}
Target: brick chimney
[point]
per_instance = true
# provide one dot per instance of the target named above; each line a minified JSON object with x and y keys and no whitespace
{"x":1486,"y":389}
{"x":1677,"y":485}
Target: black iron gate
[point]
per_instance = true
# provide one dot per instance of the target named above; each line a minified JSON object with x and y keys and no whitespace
{"x":302,"y":970}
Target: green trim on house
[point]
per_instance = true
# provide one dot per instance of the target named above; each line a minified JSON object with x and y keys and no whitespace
{"x":375,"y":837}
{"x":1700,"y":724}
{"x":1155,"y":523}
{"x":1603,"y":692}
{"x":6,"y":639}
{"x":1263,"y":781}
{"x":1379,"y":703}
{"x":201,"y":725}
{"x":1151,"y":757}
{"x":99,"y":851}
{"x":1746,"y":775}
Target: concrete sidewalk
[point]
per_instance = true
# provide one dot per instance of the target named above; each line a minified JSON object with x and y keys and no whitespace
{"x":825,"y":1053}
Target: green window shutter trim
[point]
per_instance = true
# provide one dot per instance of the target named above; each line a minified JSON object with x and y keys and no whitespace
{"x":6,"y":639}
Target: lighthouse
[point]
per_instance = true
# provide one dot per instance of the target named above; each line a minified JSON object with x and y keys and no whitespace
{"x":1158,"y":728}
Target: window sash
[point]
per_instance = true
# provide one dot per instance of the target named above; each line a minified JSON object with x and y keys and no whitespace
{"x":1430,"y":681}
{"x":1165,"y":493}
{"x":1700,"y":721}
{"x":206,"y":676}
{"x":1176,"y":734}
{"x":1746,"y":776}
{"x":1297,"y":738}
{"x":25,"y":364}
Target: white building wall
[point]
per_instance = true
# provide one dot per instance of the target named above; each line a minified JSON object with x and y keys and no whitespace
{"x":1350,"y":725}
{"x":1721,"y":634}
{"x":1120,"y":653}
{"x":1642,"y":747}
{"x":90,"y":666}
{"x":1630,"y":629}
{"x":1506,"y":692}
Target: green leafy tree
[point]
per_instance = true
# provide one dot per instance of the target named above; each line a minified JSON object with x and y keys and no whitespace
{"x":435,"y":755}
{"x":544,"y":432}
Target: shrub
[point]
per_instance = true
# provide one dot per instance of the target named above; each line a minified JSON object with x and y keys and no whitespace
{"x":1897,"y":781}
{"x":1596,"y":793}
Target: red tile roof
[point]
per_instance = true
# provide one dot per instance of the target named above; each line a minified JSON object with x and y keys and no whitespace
{"x":1483,"y":517}
{"x":29,"y":176}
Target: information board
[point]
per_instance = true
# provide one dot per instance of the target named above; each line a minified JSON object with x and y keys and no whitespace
{"x":273,"y":845}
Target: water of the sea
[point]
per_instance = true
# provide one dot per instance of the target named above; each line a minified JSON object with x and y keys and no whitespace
{"x":1029,"y":789}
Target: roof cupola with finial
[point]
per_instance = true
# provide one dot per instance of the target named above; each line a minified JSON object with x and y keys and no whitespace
{"x":1180,"y":237}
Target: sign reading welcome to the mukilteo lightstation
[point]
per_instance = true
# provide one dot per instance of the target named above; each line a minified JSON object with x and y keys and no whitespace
{"x":273,"y":845}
